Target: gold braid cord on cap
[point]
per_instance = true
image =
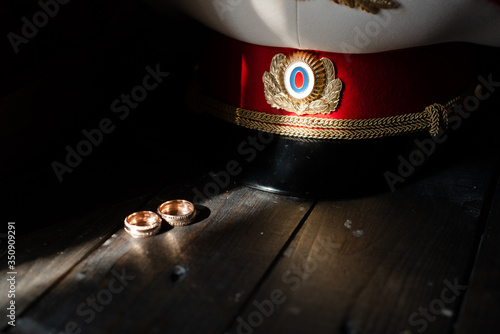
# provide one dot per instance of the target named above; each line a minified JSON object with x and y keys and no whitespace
{"x":432,"y":119}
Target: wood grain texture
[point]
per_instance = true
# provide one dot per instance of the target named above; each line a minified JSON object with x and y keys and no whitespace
{"x":378,"y":264}
{"x":44,"y":257}
{"x":482,"y":302}
{"x":204,"y":271}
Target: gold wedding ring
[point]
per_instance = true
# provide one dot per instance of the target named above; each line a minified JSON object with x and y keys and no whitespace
{"x":142,"y":224}
{"x":177,"y":212}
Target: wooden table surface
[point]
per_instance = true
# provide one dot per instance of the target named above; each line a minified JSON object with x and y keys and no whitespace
{"x":422,"y":259}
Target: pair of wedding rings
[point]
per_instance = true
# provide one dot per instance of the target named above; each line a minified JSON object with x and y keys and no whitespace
{"x":145,"y":224}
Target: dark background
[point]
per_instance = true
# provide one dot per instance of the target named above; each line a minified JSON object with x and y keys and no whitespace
{"x":64,"y":81}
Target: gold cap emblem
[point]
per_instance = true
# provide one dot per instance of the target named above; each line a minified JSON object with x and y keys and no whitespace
{"x":302,"y":83}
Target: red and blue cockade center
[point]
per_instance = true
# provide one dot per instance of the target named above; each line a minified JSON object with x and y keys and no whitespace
{"x":299,"y":80}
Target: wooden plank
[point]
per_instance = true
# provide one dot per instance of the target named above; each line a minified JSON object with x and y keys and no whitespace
{"x":203,"y":271}
{"x":382,"y":264}
{"x":481,"y":306}
{"x":44,"y":257}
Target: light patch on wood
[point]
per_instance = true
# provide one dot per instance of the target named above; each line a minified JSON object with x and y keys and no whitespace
{"x":358,"y":233}
{"x":447,"y":312}
{"x":348,"y":223}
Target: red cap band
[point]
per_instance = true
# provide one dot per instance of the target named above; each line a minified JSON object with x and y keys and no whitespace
{"x":374,"y":85}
